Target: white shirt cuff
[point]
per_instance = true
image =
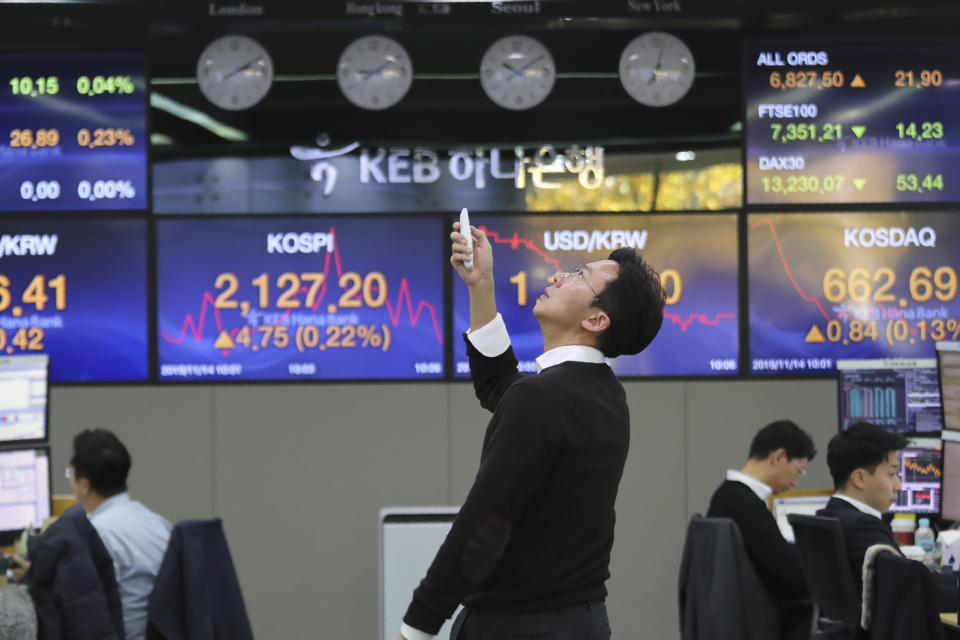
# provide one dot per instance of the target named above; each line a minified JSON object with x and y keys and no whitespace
{"x":492,"y":338}
{"x":410,"y":633}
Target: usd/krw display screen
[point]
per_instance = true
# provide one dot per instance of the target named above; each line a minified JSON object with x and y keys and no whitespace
{"x":832,"y":122}
{"x":829,"y":286}
{"x":696,"y":256}
{"x":281,"y":298}
{"x":76,"y":290}
{"x":73,"y":133}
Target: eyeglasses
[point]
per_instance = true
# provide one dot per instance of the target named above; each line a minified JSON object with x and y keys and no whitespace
{"x":800,"y":472}
{"x":578,"y":272}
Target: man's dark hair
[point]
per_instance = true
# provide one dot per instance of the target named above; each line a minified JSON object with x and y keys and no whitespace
{"x":862,"y":445}
{"x":634,"y":301}
{"x":782,"y":434}
{"x":100,"y":457}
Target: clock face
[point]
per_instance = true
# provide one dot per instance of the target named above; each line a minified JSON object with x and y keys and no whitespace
{"x":374,"y":72}
{"x":656,"y":69}
{"x":517,"y":72}
{"x":234,"y":72}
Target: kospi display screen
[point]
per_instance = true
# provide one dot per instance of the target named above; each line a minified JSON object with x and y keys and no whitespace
{"x":309,"y":298}
{"x":73,"y":134}
{"x":76,"y":290}
{"x":696,"y":256}
{"x":829,"y":286}
{"x":832,"y":122}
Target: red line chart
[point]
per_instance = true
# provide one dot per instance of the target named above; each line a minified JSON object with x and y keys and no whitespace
{"x":884,"y":311}
{"x":394,"y":310}
{"x":516,"y":241}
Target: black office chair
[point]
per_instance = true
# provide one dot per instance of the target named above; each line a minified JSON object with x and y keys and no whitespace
{"x":906,"y":599}
{"x":827,"y":572}
{"x":720,"y":595}
{"x":197,"y":594}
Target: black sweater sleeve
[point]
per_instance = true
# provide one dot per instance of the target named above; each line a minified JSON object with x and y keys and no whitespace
{"x":776,"y":561}
{"x":491,"y":376}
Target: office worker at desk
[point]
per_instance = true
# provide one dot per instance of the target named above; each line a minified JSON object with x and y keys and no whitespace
{"x":866,"y":474}
{"x":529,"y":552}
{"x":135,"y":537}
{"x":778,"y":457}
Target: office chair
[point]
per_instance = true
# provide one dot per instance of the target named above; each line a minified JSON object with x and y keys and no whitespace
{"x":827,"y":572}
{"x":906,"y":600}
{"x":197,"y":595}
{"x":720,"y":595}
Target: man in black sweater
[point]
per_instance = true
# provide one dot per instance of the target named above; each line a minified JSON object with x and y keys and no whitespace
{"x":778,"y":456}
{"x":529,"y":552}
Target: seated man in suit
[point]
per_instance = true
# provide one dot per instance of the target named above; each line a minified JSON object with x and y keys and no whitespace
{"x":778,"y":456}
{"x":866,"y":475}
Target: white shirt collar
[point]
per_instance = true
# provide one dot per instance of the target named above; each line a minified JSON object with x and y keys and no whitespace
{"x":865,"y":508}
{"x":569,"y":353}
{"x":762,"y":490}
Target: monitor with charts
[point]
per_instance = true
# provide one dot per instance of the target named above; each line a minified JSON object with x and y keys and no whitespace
{"x":23,"y":398}
{"x":898,"y":394}
{"x":24,"y":491}
{"x":948,"y":366}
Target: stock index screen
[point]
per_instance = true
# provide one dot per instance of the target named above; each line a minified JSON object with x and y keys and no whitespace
{"x":300,"y":298}
{"x":853,"y":122}
{"x":76,"y":290}
{"x":829,"y":286}
{"x":695,"y":254}
{"x":73,"y":134}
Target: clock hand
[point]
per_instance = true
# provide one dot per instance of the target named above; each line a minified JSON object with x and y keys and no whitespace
{"x":531,"y":63}
{"x":373,"y":72}
{"x":513,"y":71}
{"x":241,"y":69}
{"x":656,"y":68}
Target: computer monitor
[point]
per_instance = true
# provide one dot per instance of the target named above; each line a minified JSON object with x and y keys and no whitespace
{"x":948,"y":364}
{"x":950,"y":499}
{"x":24,"y":491}
{"x":921,"y":471}
{"x":805,"y":505}
{"x":899,"y":394}
{"x":23,"y":398}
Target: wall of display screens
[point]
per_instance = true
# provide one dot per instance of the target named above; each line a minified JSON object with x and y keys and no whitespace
{"x":74,"y":133}
{"x":696,"y":256}
{"x":830,"y":122}
{"x":770,"y":291}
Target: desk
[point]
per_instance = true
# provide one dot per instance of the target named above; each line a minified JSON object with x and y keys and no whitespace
{"x":61,"y":503}
{"x":950,"y":627}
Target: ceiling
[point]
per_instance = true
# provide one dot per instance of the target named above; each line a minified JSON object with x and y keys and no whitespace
{"x":446,"y":105}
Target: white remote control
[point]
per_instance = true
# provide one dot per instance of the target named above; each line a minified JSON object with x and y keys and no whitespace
{"x":465,"y":230}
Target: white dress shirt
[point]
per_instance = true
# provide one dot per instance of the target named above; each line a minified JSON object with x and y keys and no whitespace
{"x":136,"y":539}
{"x":762,"y":490}
{"x":865,"y":508}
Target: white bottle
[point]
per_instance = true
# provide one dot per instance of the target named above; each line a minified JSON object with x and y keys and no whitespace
{"x":924,"y":538}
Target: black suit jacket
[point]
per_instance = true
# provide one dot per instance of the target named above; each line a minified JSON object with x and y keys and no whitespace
{"x":197,"y":594}
{"x":776,"y":561}
{"x":906,"y":600}
{"x":72,"y":582}
{"x":860,"y":531}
